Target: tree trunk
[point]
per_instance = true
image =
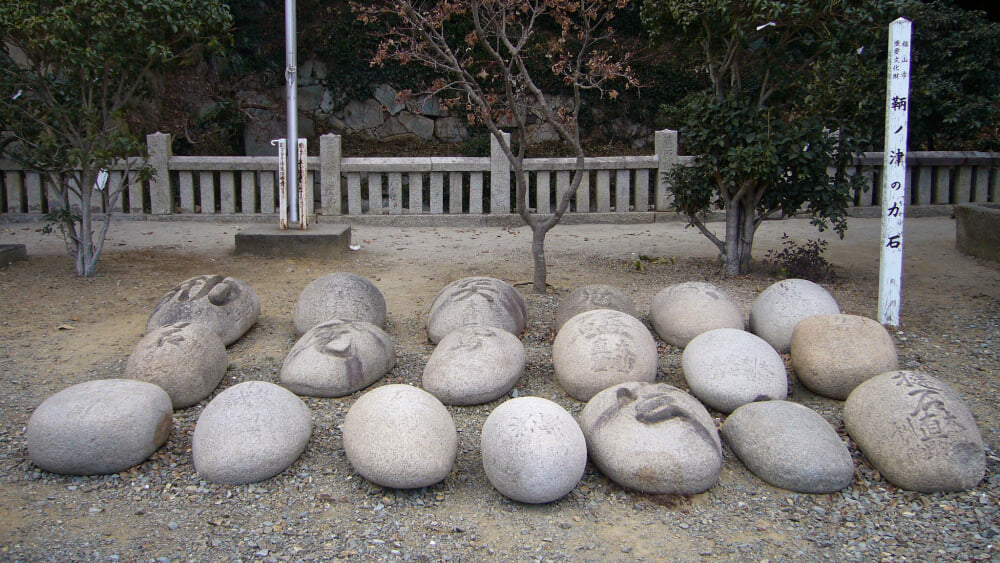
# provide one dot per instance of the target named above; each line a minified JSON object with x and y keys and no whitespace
{"x":538,"y":280}
{"x":730,"y":253}
{"x":740,"y":229}
{"x":85,"y":263}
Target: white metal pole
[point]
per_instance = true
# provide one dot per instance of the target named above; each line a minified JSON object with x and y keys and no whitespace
{"x":894,"y":172}
{"x":292,"y":114}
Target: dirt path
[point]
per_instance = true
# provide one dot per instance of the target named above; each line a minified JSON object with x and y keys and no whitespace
{"x":57,"y":329}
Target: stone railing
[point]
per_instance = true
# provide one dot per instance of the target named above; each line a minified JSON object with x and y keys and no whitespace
{"x":429,"y":189}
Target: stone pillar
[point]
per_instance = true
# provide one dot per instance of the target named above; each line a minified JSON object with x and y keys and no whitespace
{"x":499,"y":177}
{"x":665,"y":143}
{"x":329,"y":174}
{"x":160,"y":200}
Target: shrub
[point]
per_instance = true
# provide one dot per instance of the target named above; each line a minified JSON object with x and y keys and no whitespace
{"x":803,"y":261}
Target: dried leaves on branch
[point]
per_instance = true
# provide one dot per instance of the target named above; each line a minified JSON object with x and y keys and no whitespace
{"x":502,"y":62}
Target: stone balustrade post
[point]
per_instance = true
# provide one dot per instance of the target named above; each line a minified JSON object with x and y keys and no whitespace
{"x":665,"y":144}
{"x":160,"y":200}
{"x":330,"y":153}
{"x":499,"y":177}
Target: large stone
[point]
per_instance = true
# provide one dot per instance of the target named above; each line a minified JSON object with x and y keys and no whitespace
{"x":400,"y":436}
{"x":389,"y":98}
{"x":544,"y":132}
{"x":789,"y":446}
{"x":187,"y":360}
{"x":917,"y":432}
{"x":601,"y":348}
{"x":250,"y":432}
{"x":313,"y":70}
{"x":726,"y":368}
{"x":392,"y":128}
{"x":308,"y":98}
{"x":99,"y":427}
{"x":342,"y":296}
{"x":533,"y":451}
{"x":474,"y":364}
{"x":590,"y":297}
{"x":419,"y":125}
{"x":363,"y":115}
{"x":682,"y":311}
{"x":328,"y":102}
{"x":781,"y":306}
{"x":427,"y":105}
{"x":652,"y":437}
{"x":833,"y":354}
{"x":337,"y":358}
{"x":450,"y":129}
{"x":474,"y":301}
{"x":227,"y":306}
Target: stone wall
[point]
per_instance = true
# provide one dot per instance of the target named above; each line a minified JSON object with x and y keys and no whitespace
{"x":385,"y":116}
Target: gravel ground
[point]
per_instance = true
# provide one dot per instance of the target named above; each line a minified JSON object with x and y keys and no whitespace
{"x":58,"y":330}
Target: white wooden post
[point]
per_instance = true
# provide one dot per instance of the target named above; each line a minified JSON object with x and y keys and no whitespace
{"x":282,"y":183}
{"x":894,"y":173}
{"x":304,"y":188}
{"x":298,"y":195}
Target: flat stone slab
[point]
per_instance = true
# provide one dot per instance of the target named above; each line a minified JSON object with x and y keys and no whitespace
{"x":318,"y":241}
{"x":10,"y":253}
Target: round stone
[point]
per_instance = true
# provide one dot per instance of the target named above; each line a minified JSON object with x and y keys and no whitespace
{"x":789,"y":446}
{"x":781,"y":306}
{"x":592,"y":297}
{"x":474,"y":364}
{"x":187,"y":360}
{"x":250,"y":432}
{"x":400,"y":436}
{"x":685,"y":310}
{"x":476,"y":301}
{"x":337,"y":358}
{"x":726,"y":368}
{"x":653,"y":438}
{"x":99,"y":427}
{"x":600,"y":348}
{"x":227,"y":306}
{"x":342,"y":296}
{"x":833,"y":354}
{"x":533,"y":451}
{"x":917,"y":432}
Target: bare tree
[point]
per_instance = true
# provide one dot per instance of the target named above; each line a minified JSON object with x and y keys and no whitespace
{"x":493,"y":70}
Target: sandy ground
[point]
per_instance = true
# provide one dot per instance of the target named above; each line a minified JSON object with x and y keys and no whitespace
{"x":57,"y":329}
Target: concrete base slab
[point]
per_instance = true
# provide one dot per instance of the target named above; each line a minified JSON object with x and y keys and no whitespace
{"x":977,"y":229}
{"x":319,"y":241}
{"x":10,"y":253}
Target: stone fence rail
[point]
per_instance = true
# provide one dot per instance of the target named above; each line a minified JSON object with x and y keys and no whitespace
{"x":623,"y":188}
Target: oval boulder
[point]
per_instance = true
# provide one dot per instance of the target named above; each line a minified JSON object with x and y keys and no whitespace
{"x":99,"y":427}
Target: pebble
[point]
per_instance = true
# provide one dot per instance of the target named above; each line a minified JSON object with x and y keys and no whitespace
{"x":868,"y":521}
